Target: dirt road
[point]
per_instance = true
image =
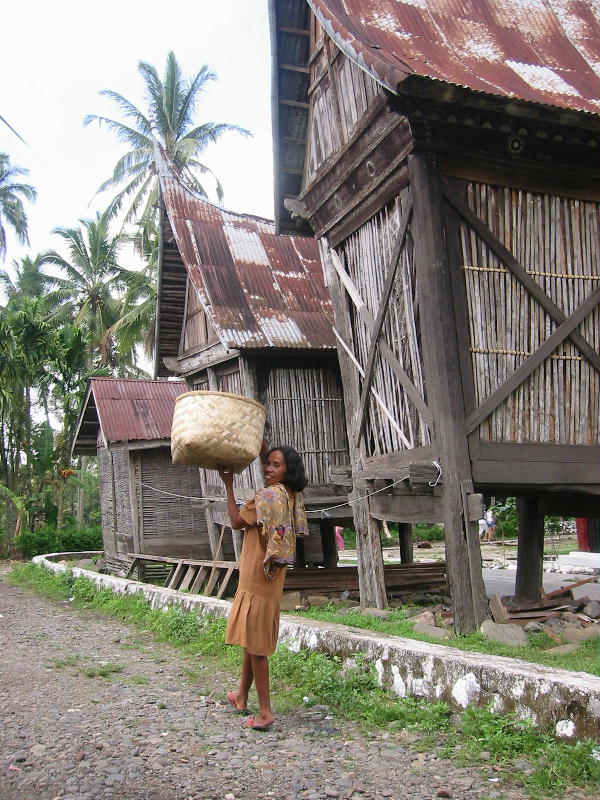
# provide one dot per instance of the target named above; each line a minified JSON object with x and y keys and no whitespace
{"x":93,"y":709}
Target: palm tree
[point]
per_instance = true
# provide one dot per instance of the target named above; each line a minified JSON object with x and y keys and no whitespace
{"x":29,"y":279}
{"x":137,"y":316}
{"x":169,"y":120}
{"x":12,"y":210}
{"x":92,"y":273}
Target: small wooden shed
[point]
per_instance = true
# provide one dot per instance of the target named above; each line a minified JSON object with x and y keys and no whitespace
{"x":446,"y":158}
{"x":148,"y":505}
{"x":242,"y":309}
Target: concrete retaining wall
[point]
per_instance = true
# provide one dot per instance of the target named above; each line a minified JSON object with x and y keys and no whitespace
{"x":568,"y":701}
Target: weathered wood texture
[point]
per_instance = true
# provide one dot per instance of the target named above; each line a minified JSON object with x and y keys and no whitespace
{"x":556,"y":240}
{"x":365,"y":254}
{"x":370,"y":558}
{"x":528,"y":580}
{"x":340,"y":95}
{"x":445,"y":393}
{"x":197,"y":329}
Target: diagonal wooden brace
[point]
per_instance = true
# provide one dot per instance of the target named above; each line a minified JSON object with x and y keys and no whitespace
{"x":535,"y":359}
{"x":378,"y":324}
{"x":507,"y":258}
{"x":386,"y":351}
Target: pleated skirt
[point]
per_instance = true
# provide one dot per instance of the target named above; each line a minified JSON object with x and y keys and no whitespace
{"x":253,"y":621}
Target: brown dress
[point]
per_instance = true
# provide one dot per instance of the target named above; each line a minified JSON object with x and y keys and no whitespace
{"x":254,"y":617}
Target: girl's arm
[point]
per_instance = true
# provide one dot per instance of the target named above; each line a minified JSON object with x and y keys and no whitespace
{"x":237,"y":522}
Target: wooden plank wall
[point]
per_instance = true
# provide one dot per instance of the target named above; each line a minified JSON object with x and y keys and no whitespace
{"x":340,"y":97}
{"x":557,"y":241}
{"x":306,"y":410}
{"x":366,"y":253}
{"x":107,"y":508}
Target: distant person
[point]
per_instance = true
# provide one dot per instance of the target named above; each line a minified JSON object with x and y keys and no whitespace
{"x":339,"y":539}
{"x":490,"y":522}
{"x":482,"y":529}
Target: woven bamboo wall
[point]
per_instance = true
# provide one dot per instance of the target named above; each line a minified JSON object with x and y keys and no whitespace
{"x":366,"y":254}
{"x":557,"y":241}
{"x":106,"y":503}
{"x":305,"y":409}
{"x":119,"y":456}
{"x":171,"y":512}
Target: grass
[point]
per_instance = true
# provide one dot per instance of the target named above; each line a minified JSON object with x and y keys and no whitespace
{"x":556,"y":768}
{"x":583,"y":659}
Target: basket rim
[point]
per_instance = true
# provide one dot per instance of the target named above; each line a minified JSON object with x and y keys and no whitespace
{"x":222,"y":394}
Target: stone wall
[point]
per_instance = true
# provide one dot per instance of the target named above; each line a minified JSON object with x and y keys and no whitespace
{"x":567,"y":701}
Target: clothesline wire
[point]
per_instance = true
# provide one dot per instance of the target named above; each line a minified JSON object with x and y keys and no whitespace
{"x":320,"y":511}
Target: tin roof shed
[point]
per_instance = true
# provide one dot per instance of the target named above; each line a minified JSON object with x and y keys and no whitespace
{"x":126,"y":410}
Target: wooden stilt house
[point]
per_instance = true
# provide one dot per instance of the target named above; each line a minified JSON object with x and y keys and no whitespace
{"x":446,"y":158}
{"x":242,"y":309}
{"x":148,"y":505}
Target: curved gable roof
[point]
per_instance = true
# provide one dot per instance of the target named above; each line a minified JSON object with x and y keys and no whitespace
{"x":540,"y":51}
{"x":260,"y":289}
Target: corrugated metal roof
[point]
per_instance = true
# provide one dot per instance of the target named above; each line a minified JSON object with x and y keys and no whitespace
{"x":126,"y":410}
{"x":259,"y":288}
{"x":541,"y":51}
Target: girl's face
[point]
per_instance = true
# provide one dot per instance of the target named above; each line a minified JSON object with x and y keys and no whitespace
{"x":275,"y":468}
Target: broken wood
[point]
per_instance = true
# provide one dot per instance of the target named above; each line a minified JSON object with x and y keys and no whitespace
{"x":499,"y":612}
{"x":569,"y":588}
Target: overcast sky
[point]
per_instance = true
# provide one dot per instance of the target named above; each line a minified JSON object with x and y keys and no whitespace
{"x":56,"y":57}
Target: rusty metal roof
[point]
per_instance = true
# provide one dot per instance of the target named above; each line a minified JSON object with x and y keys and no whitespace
{"x":126,"y":410}
{"x":258,"y":288}
{"x":541,"y":51}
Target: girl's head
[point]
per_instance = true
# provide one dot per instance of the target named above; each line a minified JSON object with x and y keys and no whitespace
{"x":283,"y":465}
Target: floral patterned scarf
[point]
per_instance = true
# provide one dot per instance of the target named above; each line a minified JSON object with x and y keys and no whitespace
{"x":282,"y":517}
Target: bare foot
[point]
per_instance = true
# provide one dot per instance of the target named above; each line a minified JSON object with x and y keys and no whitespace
{"x":260,"y":722}
{"x":239,"y":703}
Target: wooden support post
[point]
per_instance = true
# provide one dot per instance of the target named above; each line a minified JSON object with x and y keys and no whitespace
{"x":330,"y":554}
{"x":445,"y":393}
{"x":371,"y":577}
{"x":405,"y":540}
{"x":530,"y":550}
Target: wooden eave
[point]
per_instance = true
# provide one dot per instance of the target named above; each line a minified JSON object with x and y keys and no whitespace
{"x":289,"y":24}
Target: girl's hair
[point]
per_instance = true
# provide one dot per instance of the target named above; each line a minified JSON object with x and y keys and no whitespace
{"x":295,"y":476}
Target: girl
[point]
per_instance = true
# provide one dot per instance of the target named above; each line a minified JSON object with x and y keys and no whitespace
{"x":271,"y":522}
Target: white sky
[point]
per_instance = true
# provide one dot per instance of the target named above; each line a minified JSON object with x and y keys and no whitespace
{"x":56,"y":57}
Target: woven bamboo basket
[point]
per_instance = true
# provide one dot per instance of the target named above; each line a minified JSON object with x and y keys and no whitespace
{"x":216,"y":430}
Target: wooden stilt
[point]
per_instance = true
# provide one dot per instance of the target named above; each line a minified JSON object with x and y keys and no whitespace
{"x":445,"y":394}
{"x":405,"y":540}
{"x":530,"y":551}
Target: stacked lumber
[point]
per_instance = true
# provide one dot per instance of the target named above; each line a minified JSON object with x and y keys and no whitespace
{"x":560,"y":603}
{"x":398,"y":577}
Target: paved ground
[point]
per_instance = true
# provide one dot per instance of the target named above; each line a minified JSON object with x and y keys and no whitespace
{"x":146,"y":733}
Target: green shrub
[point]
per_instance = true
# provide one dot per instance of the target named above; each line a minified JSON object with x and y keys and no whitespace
{"x":428,"y":533}
{"x":49,"y":540}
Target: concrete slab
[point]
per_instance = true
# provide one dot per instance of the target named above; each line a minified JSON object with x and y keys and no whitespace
{"x":568,"y":701}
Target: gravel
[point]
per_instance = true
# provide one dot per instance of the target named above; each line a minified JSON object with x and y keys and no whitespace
{"x":136,"y":727}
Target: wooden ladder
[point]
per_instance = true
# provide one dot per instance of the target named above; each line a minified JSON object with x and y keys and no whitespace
{"x":196,"y":577}
{"x":201,"y":577}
